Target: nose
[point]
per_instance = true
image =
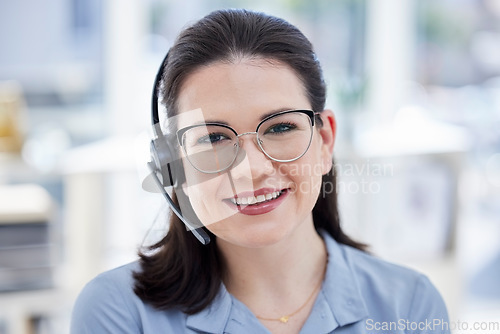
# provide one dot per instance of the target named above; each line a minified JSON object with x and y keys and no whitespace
{"x":255,"y":163}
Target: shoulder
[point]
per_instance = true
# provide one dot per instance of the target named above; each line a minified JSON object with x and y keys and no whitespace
{"x":408,"y":294}
{"x":108,"y":304}
{"x":105,"y":302}
{"x":387,"y":292}
{"x":380,"y":273}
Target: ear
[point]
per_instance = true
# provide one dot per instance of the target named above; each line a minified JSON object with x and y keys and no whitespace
{"x":327,"y":133}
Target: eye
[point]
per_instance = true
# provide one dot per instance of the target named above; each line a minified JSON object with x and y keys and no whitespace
{"x":280,"y":128}
{"x":213,"y":138}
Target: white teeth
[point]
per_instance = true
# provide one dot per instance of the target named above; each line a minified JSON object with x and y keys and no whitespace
{"x":254,"y":200}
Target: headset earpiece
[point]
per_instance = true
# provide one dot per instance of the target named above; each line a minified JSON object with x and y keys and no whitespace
{"x":162,"y":157}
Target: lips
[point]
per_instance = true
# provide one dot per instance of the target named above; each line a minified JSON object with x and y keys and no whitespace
{"x":252,"y":200}
{"x":259,"y":202}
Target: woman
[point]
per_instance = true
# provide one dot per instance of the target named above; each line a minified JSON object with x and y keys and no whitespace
{"x":245,"y":101}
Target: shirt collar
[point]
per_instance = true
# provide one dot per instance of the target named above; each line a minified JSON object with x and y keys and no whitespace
{"x":341,"y":289}
{"x":340,"y":302}
{"x":212,"y":319}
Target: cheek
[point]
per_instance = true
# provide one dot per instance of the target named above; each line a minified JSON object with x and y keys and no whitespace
{"x":204,"y":193}
{"x":309,"y":177}
{"x":308,"y":186}
{"x":200,"y":188}
{"x":197,"y":184}
{"x":196,"y":181}
{"x":305,"y":175}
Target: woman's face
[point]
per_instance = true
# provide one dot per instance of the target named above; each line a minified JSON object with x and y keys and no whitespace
{"x":240,"y":95}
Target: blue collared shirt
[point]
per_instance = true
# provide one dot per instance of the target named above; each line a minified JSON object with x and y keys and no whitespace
{"x":360,"y":294}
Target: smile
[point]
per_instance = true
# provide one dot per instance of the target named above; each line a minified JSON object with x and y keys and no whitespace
{"x":252,"y":200}
{"x":262,"y":201}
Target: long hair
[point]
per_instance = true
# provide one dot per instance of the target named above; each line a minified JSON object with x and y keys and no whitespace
{"x":181,"y":273}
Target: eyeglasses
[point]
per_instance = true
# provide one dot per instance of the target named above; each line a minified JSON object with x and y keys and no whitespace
{"x":282,"y":137}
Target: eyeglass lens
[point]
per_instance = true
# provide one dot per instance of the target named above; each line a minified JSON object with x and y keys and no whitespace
{"x":213,"y":148}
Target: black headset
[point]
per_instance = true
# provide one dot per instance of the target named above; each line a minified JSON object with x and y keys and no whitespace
{"x":166,"y":164}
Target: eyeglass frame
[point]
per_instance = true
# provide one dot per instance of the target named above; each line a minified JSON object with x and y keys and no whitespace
{"x":310,"y":113}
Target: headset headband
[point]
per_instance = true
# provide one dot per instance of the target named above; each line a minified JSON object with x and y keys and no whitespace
{"x":155,"y":119}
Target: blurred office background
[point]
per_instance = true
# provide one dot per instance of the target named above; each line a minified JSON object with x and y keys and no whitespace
{"x":415,"y":85}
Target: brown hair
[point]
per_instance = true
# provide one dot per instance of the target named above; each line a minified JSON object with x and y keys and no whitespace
{"x":182,"y":273}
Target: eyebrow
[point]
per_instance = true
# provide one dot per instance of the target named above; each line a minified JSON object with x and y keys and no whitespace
{"x":275,"y":111}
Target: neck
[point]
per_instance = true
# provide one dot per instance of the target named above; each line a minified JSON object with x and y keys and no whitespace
{"x":280,"y":273}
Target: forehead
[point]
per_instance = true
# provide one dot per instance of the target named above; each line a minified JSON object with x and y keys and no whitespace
{"x":239,"y":91}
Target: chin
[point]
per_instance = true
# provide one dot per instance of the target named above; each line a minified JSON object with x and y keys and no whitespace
{"x":253,"y":237}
